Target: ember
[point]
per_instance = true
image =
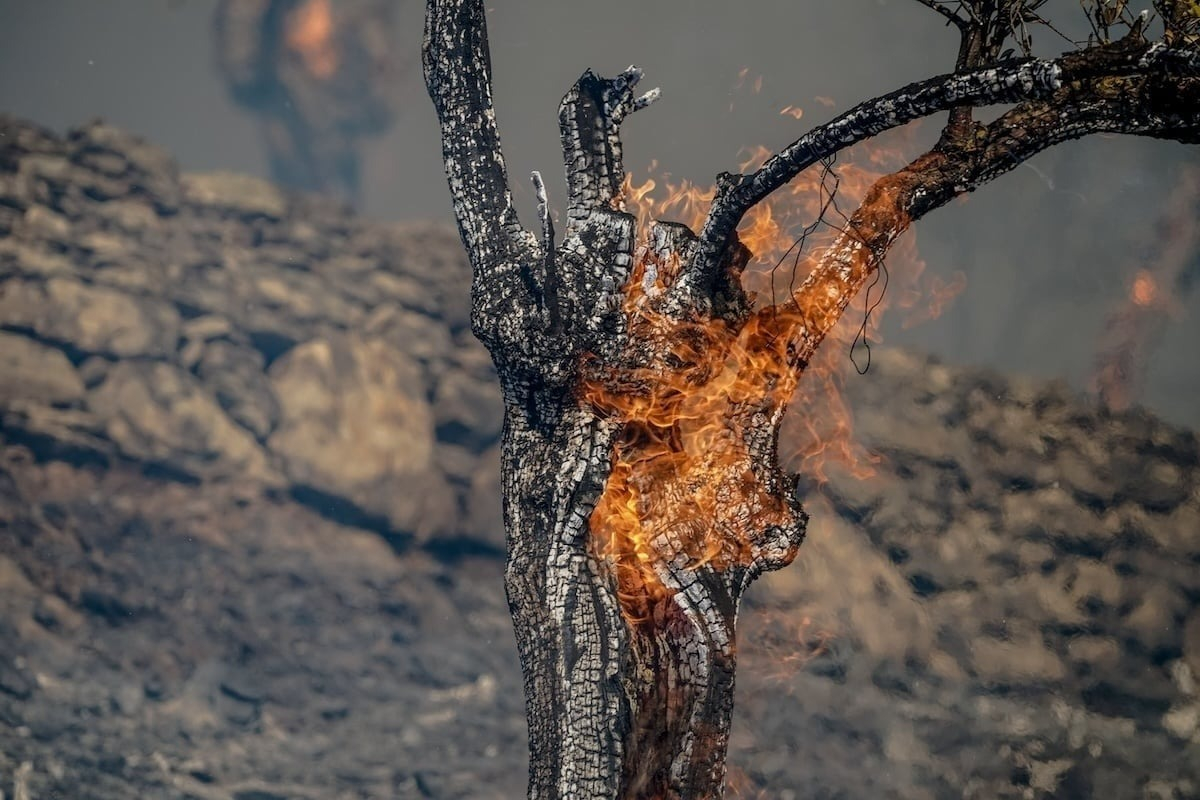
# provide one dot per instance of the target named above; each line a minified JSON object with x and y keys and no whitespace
{"x":310,"y":31}
{"x":1144,"y":290}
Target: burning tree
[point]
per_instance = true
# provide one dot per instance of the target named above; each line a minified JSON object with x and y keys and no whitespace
{"x":644,"y":389}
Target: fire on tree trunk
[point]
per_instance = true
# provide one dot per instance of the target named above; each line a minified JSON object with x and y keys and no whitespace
{"x":644,"y":393}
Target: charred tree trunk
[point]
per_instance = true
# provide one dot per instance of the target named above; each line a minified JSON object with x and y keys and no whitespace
{"x":643,"y":395}
{"x":628,"y":675}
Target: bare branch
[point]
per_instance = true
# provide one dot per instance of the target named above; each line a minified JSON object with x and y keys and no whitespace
{"x":458,"y":75}
{"x":1013,"y":81}
{"x":945,"y":11}
{"x":549,"y":269}
{"x":736,"y":194}
{"x":590,"y":117}
{"x":1165,"y":108}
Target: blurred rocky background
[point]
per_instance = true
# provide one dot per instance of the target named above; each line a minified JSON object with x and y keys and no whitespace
{"x":250,"y":543}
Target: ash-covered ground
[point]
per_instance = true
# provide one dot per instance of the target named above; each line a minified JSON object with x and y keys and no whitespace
{"x":250,"y":545}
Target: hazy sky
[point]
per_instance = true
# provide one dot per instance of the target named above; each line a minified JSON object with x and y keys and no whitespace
{"x":1047,"y":251}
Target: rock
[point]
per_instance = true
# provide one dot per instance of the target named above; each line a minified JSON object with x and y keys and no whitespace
{"x":1098,"y":652}
{"x":33,"y":371}
{"x":241,"y":194}
{"x":467,"y":411}
{"x":1183,"y":678}
{"x":32,"y":260}
{"x":126,"y":151}
{"x":92,"y":319}
{"x":419,"y":335}
{"x":1087,"y":478}
{"x":235,"y":375}
{"x":355,"y":423}
{"x":1153,"y":618}
{"x":15,"y":680}
{"x":61,"y":432}
{"x":42,"y":223}
{"x":1019,"y":659}
{"x":431,"y":251}
{"x":1191,"y":641}
{"x":1182,"y":722}
{"x":157,"y":413}
{"x":1159,"y":487}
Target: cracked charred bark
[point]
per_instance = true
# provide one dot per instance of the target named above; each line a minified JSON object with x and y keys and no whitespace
{"x":644,"y":394}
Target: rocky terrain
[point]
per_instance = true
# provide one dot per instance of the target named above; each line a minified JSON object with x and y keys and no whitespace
{"x":250,"y":544}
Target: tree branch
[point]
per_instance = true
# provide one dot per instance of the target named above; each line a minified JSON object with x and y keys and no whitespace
{"x":1158,"y":105}
{"x":737,"y":194}
{"x":1009,"y":82}
{"x":941,"y":8}
{"x":458,"y":74}
{"x":589,"y":119}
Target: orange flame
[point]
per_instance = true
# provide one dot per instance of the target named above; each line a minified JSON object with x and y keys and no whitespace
{"x":310,"y":33}
{"x":685,"y":485}
{"x":789,"y":641}
{"x":740,"y":786}
{"x":1133,"y":327}
{"x":1144,"y":290}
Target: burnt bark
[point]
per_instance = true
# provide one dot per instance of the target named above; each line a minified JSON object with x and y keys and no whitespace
{"x":643,"y":395}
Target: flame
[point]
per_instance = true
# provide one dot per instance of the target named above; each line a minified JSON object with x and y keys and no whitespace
{"x":310,"y":33}
{"x":740,"y":786}
{"x":685,"y":488}
{"x":933,"y":299}
{"x":1144,"y":290}
{"x":1133,"y":327}
{"x":790,"y":642}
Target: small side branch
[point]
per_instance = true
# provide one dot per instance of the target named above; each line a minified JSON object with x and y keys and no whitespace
{"x":458,"y":75}
{"x":589,"y":120}
{"x":944,"y":9}
{"x":549,"y":269}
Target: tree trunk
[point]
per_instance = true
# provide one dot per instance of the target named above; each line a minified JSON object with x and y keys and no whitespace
{"x":643,"y":396}
{"x":626,"y":635}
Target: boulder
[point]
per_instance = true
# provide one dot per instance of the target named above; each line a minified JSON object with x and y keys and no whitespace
{"x":34,"y":372}
{"x":235,"y":375}
{"x":355,"y":423}
{"x":92,"y":319}
{"x":157,"y":413}
{"x":240,"y":194}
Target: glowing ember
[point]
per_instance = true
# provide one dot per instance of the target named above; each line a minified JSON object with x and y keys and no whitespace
{"x":1144,"y":290}
{"x":1134,"y":327}
{"x":310,"y":33}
